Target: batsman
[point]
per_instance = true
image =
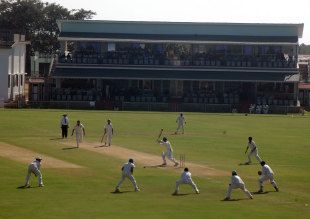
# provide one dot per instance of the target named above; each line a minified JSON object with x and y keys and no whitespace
{"x":169,"y":151}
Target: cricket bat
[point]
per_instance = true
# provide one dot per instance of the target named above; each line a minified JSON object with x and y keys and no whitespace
{"x":160,"y":133}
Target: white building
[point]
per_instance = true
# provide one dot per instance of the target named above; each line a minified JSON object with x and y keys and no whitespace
{"x":12,"y":65}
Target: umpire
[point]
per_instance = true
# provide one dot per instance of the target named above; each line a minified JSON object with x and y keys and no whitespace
{"x":64,"y":122}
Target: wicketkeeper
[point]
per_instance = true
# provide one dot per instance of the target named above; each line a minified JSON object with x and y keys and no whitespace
{"x":264,"y":175}
{"x":34,"y":168}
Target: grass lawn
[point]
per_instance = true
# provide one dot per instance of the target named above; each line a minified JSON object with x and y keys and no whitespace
{"x":216,"y":140}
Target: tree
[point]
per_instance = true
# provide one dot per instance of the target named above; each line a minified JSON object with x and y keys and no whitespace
{"x":304,"y":49}
{"x":37,"y":20}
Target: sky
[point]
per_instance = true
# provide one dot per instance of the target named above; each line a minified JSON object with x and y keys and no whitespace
{"x":239,"y":11}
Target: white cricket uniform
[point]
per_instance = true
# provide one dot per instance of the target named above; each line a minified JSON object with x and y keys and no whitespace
{"x":168,"y":153}
{"x":79,"y":133}
{"x":181,"y":122}
{"x":267,"y":174}
{"x":126,"y":173}
{"x":253,"y":151}
{"x":186,"y":179}
{"x":34,"y":167}
{"x":109,"y":133}
{"x":237,"y":183}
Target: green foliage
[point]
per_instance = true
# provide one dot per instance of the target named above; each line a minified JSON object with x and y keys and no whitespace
{"x":304,"y":49}
{"x":37,"y":20}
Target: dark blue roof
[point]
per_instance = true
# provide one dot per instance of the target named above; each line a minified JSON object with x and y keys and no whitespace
{"x":182,"y":37}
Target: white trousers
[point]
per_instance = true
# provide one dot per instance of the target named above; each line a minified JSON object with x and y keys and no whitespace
{"x":180,"y":126}
{"x":255,"y":153}
{"x":237,"y":186}
{"x":79,"y":139}
{"x":169,"y":155}
{"x":108,"y":139}
{"x":181,"y":181}
{"x":33,"y":169}
{"x":269,"y":177}
{"x":131,"y":178}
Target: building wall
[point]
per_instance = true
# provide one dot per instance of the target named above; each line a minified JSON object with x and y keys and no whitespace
{"x":4,"y":72}
{"x":12,"y":62}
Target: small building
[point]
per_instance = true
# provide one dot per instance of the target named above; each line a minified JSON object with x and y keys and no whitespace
{"x":12,"y":62}
{"x":40,"y":69}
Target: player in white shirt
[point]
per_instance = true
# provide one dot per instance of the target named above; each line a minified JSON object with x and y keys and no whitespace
{"x":266,"y":174}
{"x":253,"y":151}
{"x":34,"y":168}
{"x":108,"y":132}
{"x":64,"y":125}
{"x":127,"y":172}
{"x":181,"y":121}
{"x":168,"y":153}
{"x":237,"y":183}
{"x":186,"y":178}
{"x":79,"y":132}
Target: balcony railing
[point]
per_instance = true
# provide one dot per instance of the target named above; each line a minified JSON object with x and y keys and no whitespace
{"x":229,"y":61}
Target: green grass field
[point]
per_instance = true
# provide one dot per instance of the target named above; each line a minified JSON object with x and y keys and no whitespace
{"x":283,"y":140}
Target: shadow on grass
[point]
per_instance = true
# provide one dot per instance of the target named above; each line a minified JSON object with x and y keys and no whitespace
{"x":154,"y":166}
{"x":28,"y":187}
{"x":246,"y":164}
{"x":69,"y":148}
{"x":235,"y":199}
{"x":260,"y":193}
{"x":121,"y":192}
{"x":101,"y":146}
{"x":56,"y":138}
{"x":182,"y":194}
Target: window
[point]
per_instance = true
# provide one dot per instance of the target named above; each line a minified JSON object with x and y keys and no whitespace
{"x":9,"y":80}
{"x":16,"y":81}
{"x":43,"y":69}
{"x":21,"y":80}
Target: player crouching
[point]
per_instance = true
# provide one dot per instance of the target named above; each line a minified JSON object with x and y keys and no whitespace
{"x":34,"y":168}
{"x":266,"y":174}
{"x":236,"y":183}
{"x":127,"y":172}
{"x":185,"y":179}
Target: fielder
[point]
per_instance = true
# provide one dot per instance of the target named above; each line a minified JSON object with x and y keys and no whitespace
{"x":108,"y":132}
{"x":237,"y":183}
{"x":168,"y":153}
{"x":127,"y":172}
{"x":253,"y":151}
{"x":34,"y":168}
{"x":266,"y":174}
{"x":79,"y":132}
{"x":181,"y":121}
{"x":185,"y":179}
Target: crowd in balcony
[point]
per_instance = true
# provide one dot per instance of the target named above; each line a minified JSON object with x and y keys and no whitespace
{"x":147,"y":56}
